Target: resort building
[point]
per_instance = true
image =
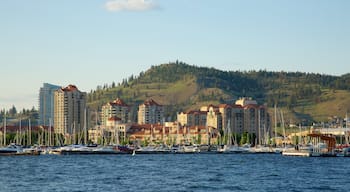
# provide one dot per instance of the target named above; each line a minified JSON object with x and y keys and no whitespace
{"x":192,"y":118}
{"x":70,"y":110}
{"x":214,"y":117}
{"x":46,"y":104}
{"x":256,"y":119}
{"x":172,"y":134}
{"x":114,"y":132}
{"x":150,"y":112}
{"x":243,"y":116}
{"x":117,"y":108}
{"x":232,"y":118}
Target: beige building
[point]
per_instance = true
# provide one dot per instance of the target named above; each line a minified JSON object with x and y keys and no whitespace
{"x":232,"y":118}
{"x":214,"y":117}
{"x":117,"y":108}
{"x":243,"y":116}
{"x":172,"y":134}
{"x":150,"y":112}
{"x":69,"y":110}
{"x":256,"y":120}
{"x":114,"y":132}
{"x":192,"y":118}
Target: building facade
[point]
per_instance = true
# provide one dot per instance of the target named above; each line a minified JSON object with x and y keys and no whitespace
{"x":70,"y":110}
{"x":256,"y":119}
{"x":214,"y":118}
{"x":150,"y":112}
{"x":232,"y":118}
{"x":192,"y":118}
{"x":172,"y":134}
{"x":243,"y":116}
{"x":113,"y":133}
{"x":117,"y":108}
{"x":46,"y":104}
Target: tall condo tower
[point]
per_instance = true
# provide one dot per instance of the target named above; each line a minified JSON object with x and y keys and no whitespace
{"x":46,"y":103}
{"x":69,"y":107}
{"x":151,"y":112}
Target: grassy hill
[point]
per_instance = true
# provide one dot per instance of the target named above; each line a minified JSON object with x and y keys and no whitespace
{"x":180,"y":87}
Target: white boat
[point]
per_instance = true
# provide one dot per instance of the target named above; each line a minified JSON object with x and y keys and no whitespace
{"x":262,"y":149}
{"x":146,"y":149}
{"x":73,"y":149}
{"x":11,"y":149}
{"x":232,"y":149}
{"x":189,"y":149}
{"x":296,"y":153}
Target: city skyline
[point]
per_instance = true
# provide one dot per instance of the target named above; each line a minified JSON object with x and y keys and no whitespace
{"x":91,"y":43}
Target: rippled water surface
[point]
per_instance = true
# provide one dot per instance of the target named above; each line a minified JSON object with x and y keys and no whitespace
{"x":174,"y":172}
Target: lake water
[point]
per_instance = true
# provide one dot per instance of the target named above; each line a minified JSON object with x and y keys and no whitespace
{"x":174,"y":172}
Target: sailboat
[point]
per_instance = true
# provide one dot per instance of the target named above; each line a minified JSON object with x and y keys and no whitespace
{"x":231,"y":147}
{"x":346,"y":150}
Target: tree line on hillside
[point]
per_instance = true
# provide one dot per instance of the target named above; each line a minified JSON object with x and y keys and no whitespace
{"x":282,"y":88}
{"x":13,"y":113}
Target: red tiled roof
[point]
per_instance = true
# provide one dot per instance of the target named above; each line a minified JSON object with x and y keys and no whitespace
{"x":211,"y":105}
{"x":237,"y":106}
{"x":251,"y":106}
{"x":224,"y":106}
{"x":114,"y":118}
{"x":150,"y":102}
{"x":118,"y":102}
{"x":69,"y":88}
{"x":196,"y":112}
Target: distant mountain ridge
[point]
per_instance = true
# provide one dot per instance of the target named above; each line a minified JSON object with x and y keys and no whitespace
{"x":182,"y":87}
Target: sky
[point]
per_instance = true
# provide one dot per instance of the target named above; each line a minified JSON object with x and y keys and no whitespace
{"x":93,"y":42}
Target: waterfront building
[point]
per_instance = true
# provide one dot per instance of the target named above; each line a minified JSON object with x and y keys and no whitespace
{"x":117,"y":108}
{"x":150,"y":112}
{"x":70,"y":110}
{"x":232,"y":118}
{"x":192,"y":118}
{"x":46,"y":104}
{"x":256,"y":119}
{"x":214,"y":117}
{"x":172,"y":134}
{"x":114,"y":132}
{"x":243,"y":116}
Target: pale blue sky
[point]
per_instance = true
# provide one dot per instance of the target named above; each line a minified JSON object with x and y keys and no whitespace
{"x":92,"y":42}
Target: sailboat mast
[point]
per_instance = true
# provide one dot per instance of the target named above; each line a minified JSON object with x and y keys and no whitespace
{"x":5,"y":130}
{"x":50,"y":137}
{"x":299,"y":134}
{"x":275,"y":124}
{"x":284,"y":130}
{"x":20,"y":131}
{"x":346,"y":129}
{"x":85,"y":128}
{"x":29,"y":133}
{"x":259,"y":128}
{"x":208,"y":137}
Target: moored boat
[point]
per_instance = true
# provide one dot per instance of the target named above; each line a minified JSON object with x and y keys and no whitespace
{"x":11,"y":149}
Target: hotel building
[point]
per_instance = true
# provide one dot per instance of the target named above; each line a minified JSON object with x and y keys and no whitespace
{"x":150,"y":112}
{"x":117,"y":108}
{"x":69,"y":107}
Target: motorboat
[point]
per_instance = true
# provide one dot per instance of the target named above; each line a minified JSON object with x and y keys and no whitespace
{"x":11,"y":149}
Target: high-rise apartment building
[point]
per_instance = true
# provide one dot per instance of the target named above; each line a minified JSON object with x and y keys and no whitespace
{"x":46,"y":104}
{"x":256,"y":118}
{"x":69,"y":107}
{"x":150,"y":112}
{"x":117,"y":108}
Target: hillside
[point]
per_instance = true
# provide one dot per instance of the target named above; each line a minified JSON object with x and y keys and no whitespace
{"x":303,"y":96}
